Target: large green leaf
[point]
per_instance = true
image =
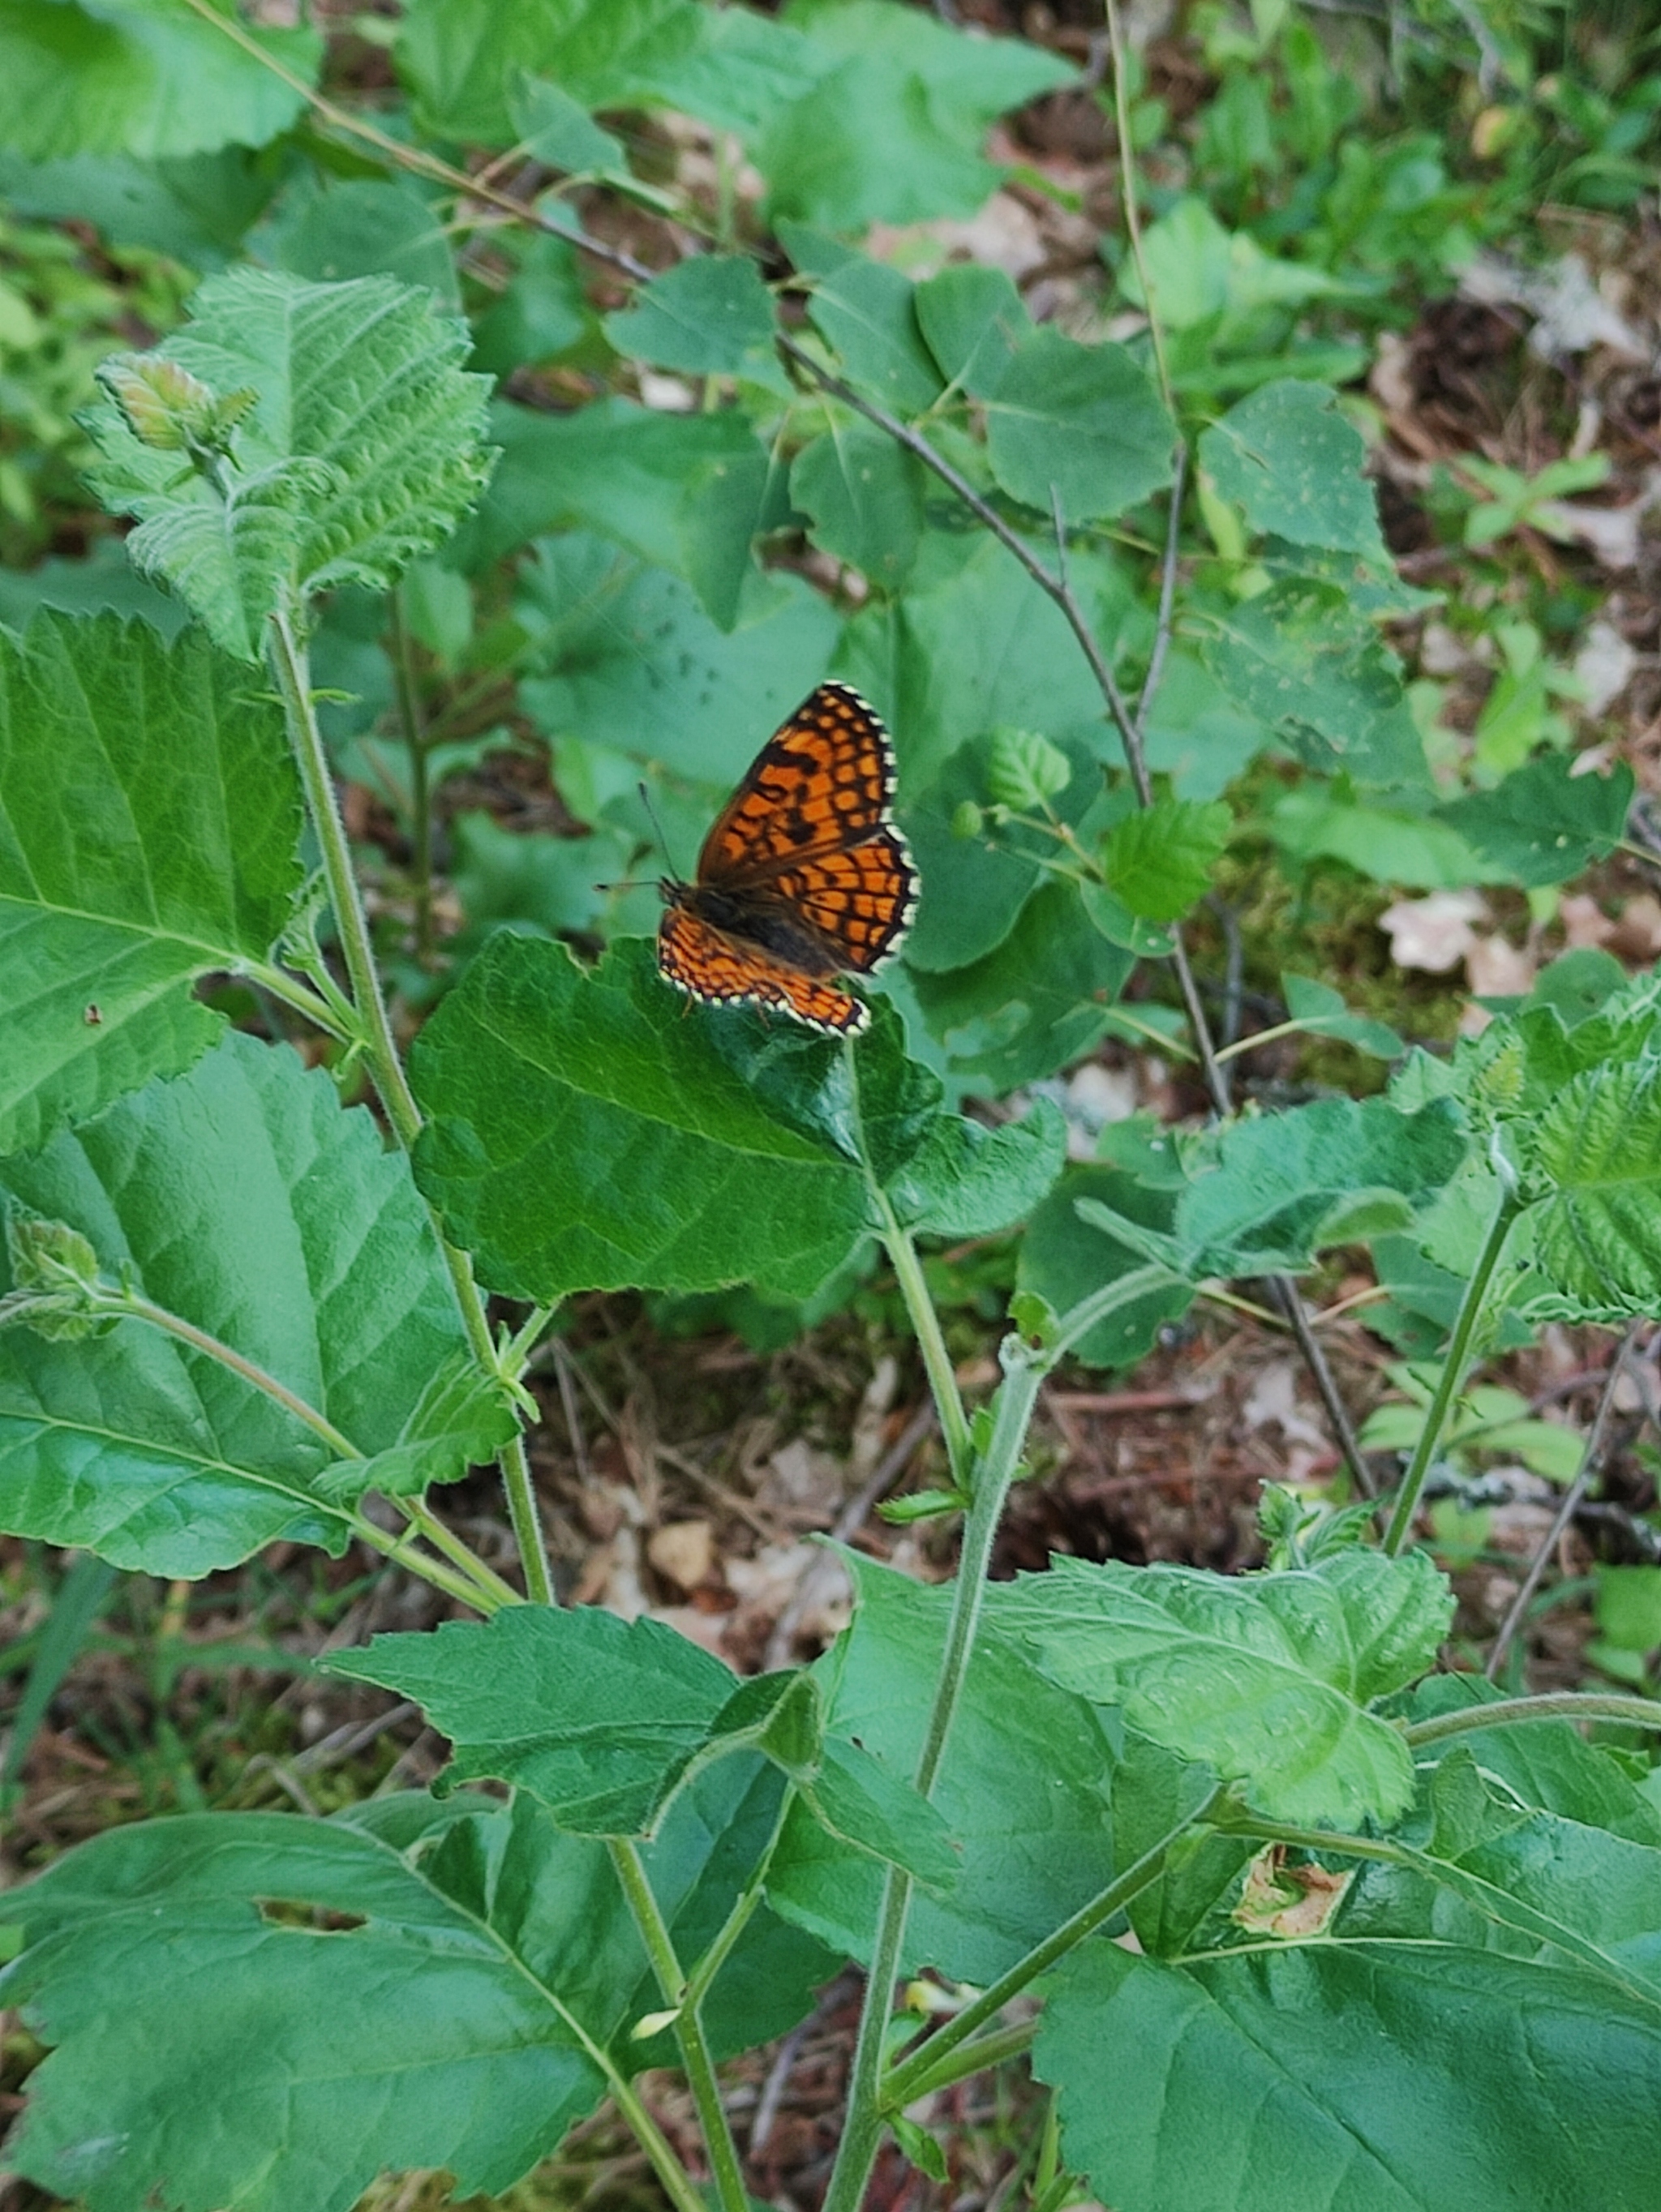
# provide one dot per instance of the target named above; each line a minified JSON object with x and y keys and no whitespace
{"x":145,"y":77}
{"x":633,"y":664}
{"x":1352,"y":2076}
{"x":1076,"y":425}
{"x":1267,"y":1678}
{"x":257,"y":2013}
{"x":586,"y":1133}
{"x":865,"y":497}
{"x":1023,"y":1788}
{"x":891,"y":78}
{"x":606,"y":1721}
{"x":1272,"y":1190}
{"x":715,"y":1146}
{"x":686,"y":492}
{"x":362,"y":448}
{"x":1543,"y":823}
{"x":1064,"y":1257}
{"x":1294,"y":466}
{"x":1597,"y":1154}
{"x":243,"y":1197}
{"x":150,"y":826}
{"x":710,"y":313}
{"x":1301,"y":660}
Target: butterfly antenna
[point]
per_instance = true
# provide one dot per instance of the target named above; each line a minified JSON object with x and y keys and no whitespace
{"x":663,"y":842}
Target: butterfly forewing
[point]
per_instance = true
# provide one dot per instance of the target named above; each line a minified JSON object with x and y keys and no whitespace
{"x":822,"y":782}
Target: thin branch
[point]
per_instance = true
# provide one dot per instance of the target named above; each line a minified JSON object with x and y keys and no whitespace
{"x":1156,"y":659}
{"x":1591,"y":1459}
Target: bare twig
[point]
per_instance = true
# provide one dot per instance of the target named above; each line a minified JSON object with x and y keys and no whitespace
{"x":1590,"y":1461}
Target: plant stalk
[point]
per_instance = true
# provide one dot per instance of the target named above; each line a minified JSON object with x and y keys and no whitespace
{"x":1551,"y":1705}
{"x":421,"y":797}
{"x":918,"y":2073}
{"x":386,"y":1068}
{"x":931,"y":1342}
{"x":1453,"y":1373}
{"x":700,"y":2078}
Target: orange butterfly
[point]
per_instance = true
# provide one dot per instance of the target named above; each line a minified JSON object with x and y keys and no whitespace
{"x":804,"y":876}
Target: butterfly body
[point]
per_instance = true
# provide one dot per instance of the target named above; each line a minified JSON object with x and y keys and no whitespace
{"x":804,"y":876}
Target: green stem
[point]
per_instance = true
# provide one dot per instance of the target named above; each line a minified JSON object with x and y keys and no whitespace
{"x":917,"y":2073}
{"x":701,"y":1979}
{"x":1555,"y":1705}
{"x":1453,"y":1372}
{"x":427,"y":1523}
{"x":925,"y":1327}
{"x":966,"y":2060}
{"x":467,"y":1589}
{"x":386,"y":1068}
{"x":301,"y":996}
{"x":1078,"y":1321}
{"x":689,"y":2027}
{"x":1250,"y":1043}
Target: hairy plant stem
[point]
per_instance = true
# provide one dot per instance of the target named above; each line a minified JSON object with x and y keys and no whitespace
{"x":1453,"y":1372}
{"x":924,"y":2068}
{"x":1550,"y":1705}
{"x":931,"y":1342}
{"x":689,"y":2027}
{"x":380,"y":1051}
{"x":991,"y":1473}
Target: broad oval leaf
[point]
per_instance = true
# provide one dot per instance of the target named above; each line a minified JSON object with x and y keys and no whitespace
{"x":245,"y":1199}
{"x":1267,"y":1678}
{"x":149,"y":832}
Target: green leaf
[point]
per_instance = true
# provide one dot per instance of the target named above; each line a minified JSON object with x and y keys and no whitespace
{"x":1300,"y":660}
{"x":150,"y":825}
{"x":508,"y":875}
{"x":420,"y":1974}
{"x":1041,"y":1000}
{"x":1292,"y":465}
{"x":1596,"y":1155}
{"x":243,"y":1197}
{"x":1077,"y":424}
{"x":606,"y":1722}
{"x":1347,"y":2076}
{"x":924,"y":93}
{"x":974,"y":321}
{"x":146,"y":77}
{"x":635,"y":664}
{"x":1266,"y":1678}
{"x":599,"y":1718}
{"x":1320,"y":1011}
{"x":1548,"y":1763}
{"x":1284,"y":1185}
{"x":865,"y":310}
{"x":585,"y":1133}
{"x":1543,"y":823}
{"x":708,"y":314}
{"x":1064,"y":1258}
{"x":969,"y":1180}
{"x":362,"y":449}
{"x":1416,"y":851}
{"x":1199,"y":271}
{"x":558,"y":132}
{"x":1035,"y":1844}
{"x":864,"y":496}
{"x":362,"y":227}
{"x":461,"y":1419}
{"x":1160,"y":859}
{"x":686,"y":492}
{"x":467,"y":63}
{"x":1025,"y":771}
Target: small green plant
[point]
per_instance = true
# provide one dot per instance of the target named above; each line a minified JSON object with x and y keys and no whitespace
{"x":1312,"y":1923}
